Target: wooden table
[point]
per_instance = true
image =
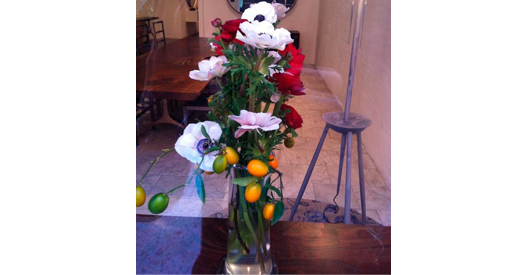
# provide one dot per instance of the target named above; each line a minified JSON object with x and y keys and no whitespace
{"x":163,"y":73}
{"x":178,"y":245}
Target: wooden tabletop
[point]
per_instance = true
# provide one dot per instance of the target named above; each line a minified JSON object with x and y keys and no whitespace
{"x":163,"y":72}
{"x":179,"y":245}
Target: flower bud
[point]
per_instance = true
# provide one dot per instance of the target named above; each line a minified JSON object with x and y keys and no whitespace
{"x":280,"y":10}
{"x":217,"y":23}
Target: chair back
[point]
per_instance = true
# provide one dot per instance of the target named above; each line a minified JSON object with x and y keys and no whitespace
{"x":143,"y":41}
{"x":156,"y":32}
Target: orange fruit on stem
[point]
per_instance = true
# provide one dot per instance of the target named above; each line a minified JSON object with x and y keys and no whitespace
{"x":141,"y":196}
{"x":268,"y":211}
{"x":252,"y":192}
{"x":257,"y":168}
{"x":231,"y":155}
{"x":273,"y":162}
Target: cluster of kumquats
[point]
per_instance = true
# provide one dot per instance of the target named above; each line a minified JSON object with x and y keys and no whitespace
{"x":228,"y":156}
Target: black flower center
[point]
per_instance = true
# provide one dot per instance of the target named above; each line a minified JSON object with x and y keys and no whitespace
{"x":259,"y":17}
{"x":203,"y":145}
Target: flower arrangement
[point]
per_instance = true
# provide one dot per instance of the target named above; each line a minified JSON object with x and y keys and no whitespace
{"x":258,"y":69}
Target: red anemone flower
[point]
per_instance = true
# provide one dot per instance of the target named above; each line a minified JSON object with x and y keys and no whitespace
{"x":297,"y":59}
{"x":230,"y":28}
{"x":288,"y":84}
{"x":292,"y":118}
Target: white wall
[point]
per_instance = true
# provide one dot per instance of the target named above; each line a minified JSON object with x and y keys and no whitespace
{"x":372,"y":86}
{"x":172,"y":12}
{"x":303,"y":18}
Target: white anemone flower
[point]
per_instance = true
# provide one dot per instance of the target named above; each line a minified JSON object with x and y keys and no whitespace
{"x":262,"y":35}
{"x":192,"y":144}
{"x":280,"y":10}
{"x":208,"y":69}
{"x":261,"y":11}
{"x":254,"y":121}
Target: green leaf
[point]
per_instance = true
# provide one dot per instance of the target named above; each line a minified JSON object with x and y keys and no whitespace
{"x":273,"y":188}
{"x":244,"y":181}
{"x":278,"y":212}
{"x":200,"y":188}
{"x":205,"y":134}
{"x":264,"y":65}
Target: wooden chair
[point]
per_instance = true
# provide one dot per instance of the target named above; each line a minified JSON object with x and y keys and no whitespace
{"x":143,"y":43}
{"x":201,"y":103}
{"x":156,"y":32}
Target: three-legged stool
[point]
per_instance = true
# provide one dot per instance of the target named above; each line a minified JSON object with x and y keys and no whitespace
{"x":355,"y":125}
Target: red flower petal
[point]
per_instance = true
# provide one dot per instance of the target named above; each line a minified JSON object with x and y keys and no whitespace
{"x":232,"y":26}
{"x":292,"y":118}
{"x":297,"y":59}
{"x":288,"y":84}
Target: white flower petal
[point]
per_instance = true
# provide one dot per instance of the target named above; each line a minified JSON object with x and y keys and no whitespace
{"x":213,"y":129}
{"x":215,"y":133}
{"x":263,"y":35}
{"x":271,"y":127}
{"x":254,"y":121}
{"x":187,"y":140}
{"x":196,"y":131}
{"x":261,"y":8}
{"x":249,"y":127}
{"x":240,"y":132}
{"x":207,"y":164}
{"x":198,"y":75}
{"x":204,"y":66}
{"x":209,"y":69}
{"x":192,"y":155}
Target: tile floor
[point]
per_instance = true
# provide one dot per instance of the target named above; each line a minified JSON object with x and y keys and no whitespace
{"x":173,"y":170}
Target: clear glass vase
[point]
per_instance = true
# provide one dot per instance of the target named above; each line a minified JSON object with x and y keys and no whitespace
{"x":249,"y":235}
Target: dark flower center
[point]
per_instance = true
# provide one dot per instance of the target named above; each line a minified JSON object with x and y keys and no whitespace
{"x":203,"y":145}
{"x":259,"y":17}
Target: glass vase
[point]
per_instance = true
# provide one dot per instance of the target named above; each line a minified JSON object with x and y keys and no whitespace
{"x":248,"y":250}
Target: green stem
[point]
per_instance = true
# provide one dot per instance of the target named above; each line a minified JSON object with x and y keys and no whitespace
{"x":256,"y":69}
{"x":237,"y":231}
{"x":267,"y":105}
{"x":177,"y":187}
{"x":218,"y":82}
{"x":277,"y":107}
{"x":165,"y":152}
{"x":243,"y":85}
{"x":251,"y":102}
{"x":251,"y":229}
{"x":258,"y":107}
{"x":255,"y":136}
{"x":262,"y":235}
